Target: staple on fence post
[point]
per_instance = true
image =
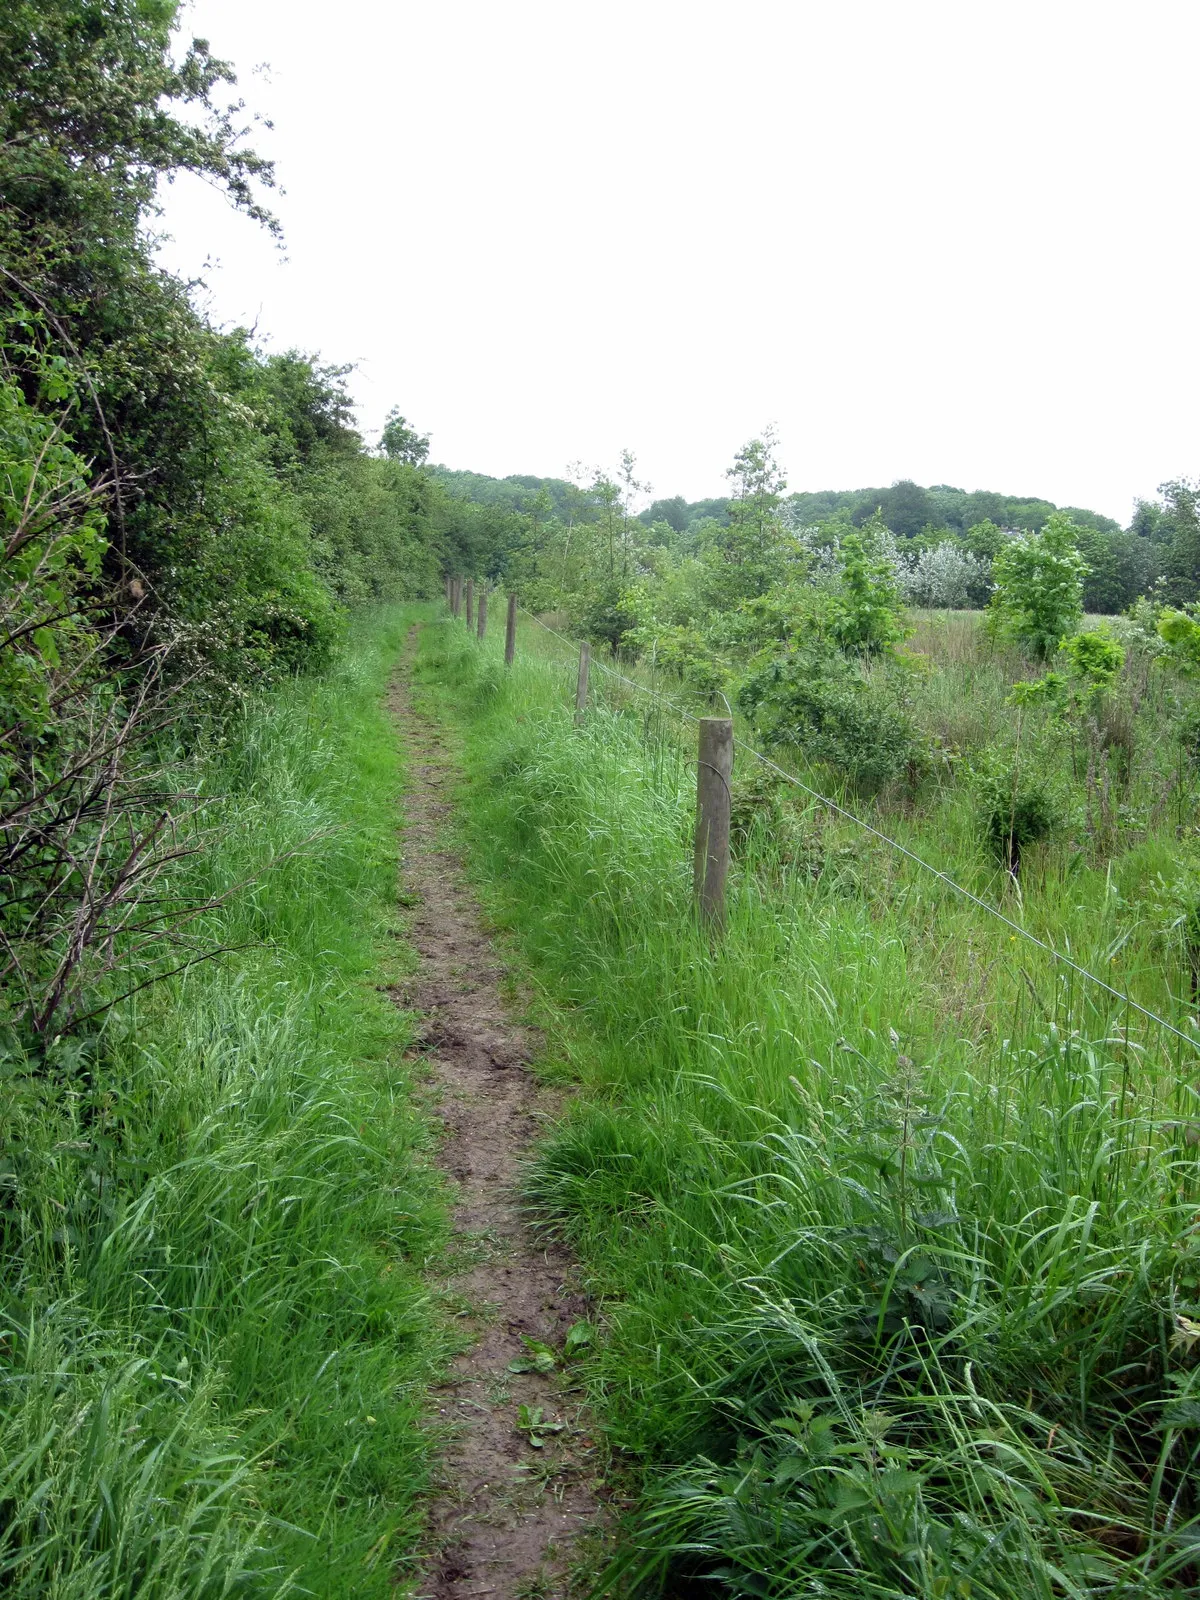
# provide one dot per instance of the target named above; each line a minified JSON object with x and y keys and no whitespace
{"x":714,"y":771}
{"x":510,"y":632}
{"x":581,"y":685}
{"x":482,"y":627}
{"x":470,"y":602}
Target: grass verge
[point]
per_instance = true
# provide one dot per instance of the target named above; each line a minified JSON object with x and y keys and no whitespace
{"x":214,"y":1338}
{"x":901,"y":1296}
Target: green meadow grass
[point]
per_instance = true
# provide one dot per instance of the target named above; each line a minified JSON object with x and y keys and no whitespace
{"x":214,"y":1338}
{"x":895,"y":1225}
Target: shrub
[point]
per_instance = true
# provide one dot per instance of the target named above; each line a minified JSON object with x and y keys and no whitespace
{"x":1180,"y":632}
{"x":607,"y":618}
{"x":1095,"y":660}
{"x":945,"y":576}
{"x":1017,"y":808}
{"x":1039,"y":587}
{"x":818,"y":701}
{"x":682,"y":650}
{"x":1081,"y":703}
{"x":1138,"y":631}
{"x":866,"y":610}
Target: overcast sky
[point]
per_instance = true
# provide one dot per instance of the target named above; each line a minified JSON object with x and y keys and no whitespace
{"x":948,"y":241}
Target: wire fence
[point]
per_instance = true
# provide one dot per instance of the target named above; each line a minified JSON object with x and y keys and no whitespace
{"x":1016,"y":929}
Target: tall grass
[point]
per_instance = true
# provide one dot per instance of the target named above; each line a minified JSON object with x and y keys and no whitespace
{"x":895,"y":1225}
{"x":213,"y":1335}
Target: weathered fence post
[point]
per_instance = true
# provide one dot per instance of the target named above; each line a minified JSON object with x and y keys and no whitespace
{"x":449,"y":590}
{"x":581,"y":686}
{"x":482,"y":628}
{"x":455,"y":594}
{"x":713,"y":773}
{"x":470,"y":603}
{"x":510,"y":632}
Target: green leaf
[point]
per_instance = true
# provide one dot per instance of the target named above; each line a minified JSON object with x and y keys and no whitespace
{"x":540,"y":1358}
{"x":579,"y":1337}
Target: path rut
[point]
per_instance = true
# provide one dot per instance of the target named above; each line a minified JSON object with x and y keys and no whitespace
{"x":505,"y":1515}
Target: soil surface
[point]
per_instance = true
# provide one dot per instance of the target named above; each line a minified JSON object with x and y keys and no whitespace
{"x":506,"y":1513}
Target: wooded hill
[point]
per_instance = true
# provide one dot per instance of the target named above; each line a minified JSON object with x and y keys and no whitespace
{"x":1155,"y":550}
{"x":910,"y":511}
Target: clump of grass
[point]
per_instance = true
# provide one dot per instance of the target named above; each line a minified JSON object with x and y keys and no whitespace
{"x":213,"y":1336}
{"x":897,"y":1303}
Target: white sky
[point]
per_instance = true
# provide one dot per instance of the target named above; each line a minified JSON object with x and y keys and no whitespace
{"x":948,"y":241}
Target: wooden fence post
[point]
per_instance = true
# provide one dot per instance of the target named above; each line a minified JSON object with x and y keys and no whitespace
{"x":581,"y":686}
{"x":510,"y":632}
{"x":447,"y":588}
{"x":482,"y":628}
{"x":454,"y":588}
{"x":470,"y":603}
{"x":714,"y":770}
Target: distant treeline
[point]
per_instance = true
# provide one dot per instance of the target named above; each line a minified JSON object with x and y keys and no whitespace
{"x":1158,"y":553}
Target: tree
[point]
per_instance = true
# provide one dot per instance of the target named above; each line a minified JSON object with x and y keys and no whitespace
{"x":673,"y":511}
{"x":906,"y":509}
{"x":630,"y":490}
{"x":1039,"y":577}
{"x":1122,"y":568}
{"x":198,"y":442}
{"x":307,"y":411}
{"x":985,"y":539}
{"x":758,"y":483}
{"x":399,"y":442}
{"x":1180,"y":522}
{"x":751,"y":542}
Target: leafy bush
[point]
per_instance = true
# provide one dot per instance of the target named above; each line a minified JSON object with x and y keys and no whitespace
{"x":1095,"y":659}
{"x":606,"y":618}
{"x":945,"y":576}
{"x":1017,"y":808}
{"x":1038,"y":599}
{"x":1180,"y":632}
{"x":865,"y":611}
{"x":52,"y":532}
{"x":818,"y":701}
{"x":684,"y":651}
{"x":1138,"y":631}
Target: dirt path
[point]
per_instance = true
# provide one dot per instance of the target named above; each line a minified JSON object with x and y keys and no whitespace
{"x":506,"y":1513}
